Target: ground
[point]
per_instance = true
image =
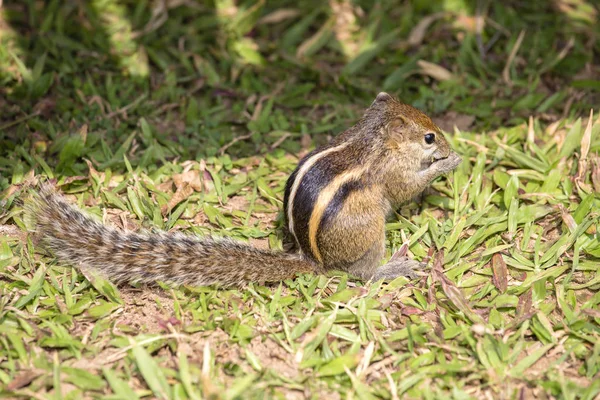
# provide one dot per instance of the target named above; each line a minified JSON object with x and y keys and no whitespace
{"x":185,"y":115}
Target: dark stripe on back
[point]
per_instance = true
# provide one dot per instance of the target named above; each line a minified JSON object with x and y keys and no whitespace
{"x":336,"y":204}
{"x":306,"y":197}
{"x":321,"y":174}
{"x":338,"y":140}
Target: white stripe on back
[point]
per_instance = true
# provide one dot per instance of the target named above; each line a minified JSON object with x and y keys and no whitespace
{"x":301,"y":172}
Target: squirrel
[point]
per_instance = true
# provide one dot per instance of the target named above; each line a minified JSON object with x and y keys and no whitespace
{"x":336,"y":202}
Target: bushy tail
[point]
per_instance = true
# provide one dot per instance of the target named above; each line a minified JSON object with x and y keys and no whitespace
{"x":78,"y":240}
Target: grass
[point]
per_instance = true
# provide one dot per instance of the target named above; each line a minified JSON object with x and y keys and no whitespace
{"x":190,"y":116}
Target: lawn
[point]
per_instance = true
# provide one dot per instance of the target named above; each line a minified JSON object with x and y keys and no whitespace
{"x":189,"y":116}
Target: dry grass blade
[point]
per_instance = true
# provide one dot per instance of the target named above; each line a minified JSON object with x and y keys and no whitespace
{"x":584,"y":164}
{"x":511,"y":58}
{"x":435,"y":71}
{"x":417,"y":34}
{"x":278,"y":16}
{"x":586,"y":139}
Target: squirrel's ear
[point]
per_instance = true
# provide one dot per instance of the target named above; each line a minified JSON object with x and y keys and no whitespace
{"x":382,"y":97}
{"x":394,"y":127}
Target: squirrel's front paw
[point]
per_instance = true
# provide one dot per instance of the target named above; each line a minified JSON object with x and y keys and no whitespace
{"x":449,"y":163}
{"x":401,"y":266}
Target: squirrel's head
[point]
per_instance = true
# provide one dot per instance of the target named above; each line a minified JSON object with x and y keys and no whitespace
{"x":408,"y":130}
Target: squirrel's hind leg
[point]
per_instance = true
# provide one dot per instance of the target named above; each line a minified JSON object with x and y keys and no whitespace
{"x":368,"y":267}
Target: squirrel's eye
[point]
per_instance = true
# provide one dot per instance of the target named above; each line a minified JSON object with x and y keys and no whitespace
{"x":429,"y":138}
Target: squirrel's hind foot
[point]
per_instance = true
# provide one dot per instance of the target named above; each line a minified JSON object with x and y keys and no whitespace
{"x":400,"y":266}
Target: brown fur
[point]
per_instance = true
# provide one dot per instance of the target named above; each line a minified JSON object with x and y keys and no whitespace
{"x":387,"y":145}
{"x":77,"y":239}
{"x":338,"y":199}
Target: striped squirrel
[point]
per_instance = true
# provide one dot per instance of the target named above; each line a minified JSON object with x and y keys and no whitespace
{"x":335,"y":205}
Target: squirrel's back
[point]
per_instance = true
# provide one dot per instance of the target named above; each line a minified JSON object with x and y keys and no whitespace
{"x":79,"y":240}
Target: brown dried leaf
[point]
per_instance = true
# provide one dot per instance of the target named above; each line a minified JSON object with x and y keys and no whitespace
{"x":181,"y":194}
{"x":24,"y":379}
{"x":207,"y":179}
{"x":499,"y":273}
{"x":567,"y":218}
{"x":93,"y":174}
{"x":71,"y":179}
{"x":438,"y":263}
{"x":9,"y":191}
{"x":401,"y":252}
{"x":191,"y":178}
{"x":524,"y":304}
{"x":453,"y":293}
{"x":411,"y":311}
{"x":431,"y":293}
{"x":165,"y":187}
{"x":591,"y":313}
